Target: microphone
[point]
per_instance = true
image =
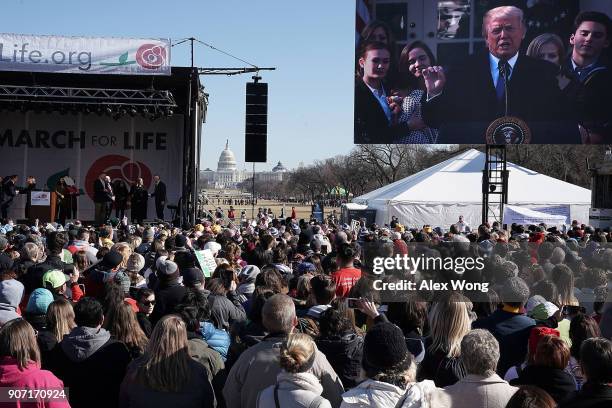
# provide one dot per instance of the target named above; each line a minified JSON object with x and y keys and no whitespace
{"x":505,"y":75}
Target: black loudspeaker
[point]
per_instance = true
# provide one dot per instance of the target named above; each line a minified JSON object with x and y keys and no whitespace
{"x":256,"y":126}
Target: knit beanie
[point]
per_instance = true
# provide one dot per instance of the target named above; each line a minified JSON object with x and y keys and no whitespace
{"x":148,"y":234}
{"x":385,"y":348}
{"x":122,"y":279}
{"x":112,"y":259}
{"x":39,"y":301}
{"x":135,"y":263}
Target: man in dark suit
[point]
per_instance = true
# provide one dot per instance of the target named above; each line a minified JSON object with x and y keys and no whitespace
{"x":9,"y":191}
{"x":103,"y":198}
{"x":373,"y":114}
{"x":160,"y":196}
{"x":500,"y":82}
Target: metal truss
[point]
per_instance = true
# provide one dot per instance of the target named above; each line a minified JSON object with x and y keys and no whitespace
{"x":86,"y":96}
{"x":231,"y":71}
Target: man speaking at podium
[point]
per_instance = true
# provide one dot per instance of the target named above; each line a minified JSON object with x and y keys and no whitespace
{"x":475,"y":93}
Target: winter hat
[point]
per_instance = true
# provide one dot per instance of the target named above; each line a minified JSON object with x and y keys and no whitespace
{"x":536,"y":334}
{"x":11,"y":292}
{"x":305,"y":267}
{"x":515,"y":290}
{"x":247,"y":276}
{"x":543,"y":311}
{"x":112,"y":259}
{"x":135,"y":263}
{"x":148,"y":234}
{"x":384,"y":348}
{"x":122,"y":279}
{"x":39,"y":301}
{"x":180,"y":241}
{"x":191,"y":276}
{"x":249,"y":273}
{"x":533,"y":302}
{"x":214,"y":247}
{"x":54,"y":277}
{"x":167,"y":268}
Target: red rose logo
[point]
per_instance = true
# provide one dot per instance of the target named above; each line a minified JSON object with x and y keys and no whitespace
{"x":151,"y":56}
{"x":117,"y":168}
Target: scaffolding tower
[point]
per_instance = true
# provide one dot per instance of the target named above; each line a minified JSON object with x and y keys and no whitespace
{"x":494,"y":184}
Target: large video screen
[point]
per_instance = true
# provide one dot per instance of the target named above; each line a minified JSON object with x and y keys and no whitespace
{"x":483,"y":72}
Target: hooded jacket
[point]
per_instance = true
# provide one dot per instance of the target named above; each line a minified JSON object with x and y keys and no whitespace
{"x":32,"y":377}
{"x":11,"y":292}
{"x":344,"y":354}
{"x":296,"y":390}
{"x":258,"y":367}
{"x":91,"y":365}
{"x":372,"y":393}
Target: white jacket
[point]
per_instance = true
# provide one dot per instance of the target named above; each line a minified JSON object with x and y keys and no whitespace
{"x":297,"y":390}
{"x":371,"y":393}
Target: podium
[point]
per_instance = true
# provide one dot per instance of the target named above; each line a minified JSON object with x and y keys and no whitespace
{"x":42,"y":205}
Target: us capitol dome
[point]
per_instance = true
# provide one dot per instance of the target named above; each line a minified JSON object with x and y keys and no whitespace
{"x":229,"y":176}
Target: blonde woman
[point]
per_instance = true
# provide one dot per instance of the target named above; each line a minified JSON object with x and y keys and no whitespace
{"x":121,"y":322}
{"x":166,"y":375}
{"x":549,"y":47}
{"x":449,"y":321}
{"x":20,"y":364}
{"x":295,"y":386}
{"x":60,"y":321}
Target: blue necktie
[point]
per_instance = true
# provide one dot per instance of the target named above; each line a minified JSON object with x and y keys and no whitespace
{"x":504,"y":73}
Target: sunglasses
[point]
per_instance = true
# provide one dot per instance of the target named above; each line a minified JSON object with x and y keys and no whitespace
{"x":149,"y":303}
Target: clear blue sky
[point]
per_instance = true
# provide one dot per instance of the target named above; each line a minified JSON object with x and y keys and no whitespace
{"x":310,"y":113}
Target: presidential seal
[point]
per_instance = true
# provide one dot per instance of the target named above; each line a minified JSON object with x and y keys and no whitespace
{"x":508,"y":130}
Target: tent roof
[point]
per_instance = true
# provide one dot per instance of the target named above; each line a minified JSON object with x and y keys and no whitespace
{"x":458,"y":180}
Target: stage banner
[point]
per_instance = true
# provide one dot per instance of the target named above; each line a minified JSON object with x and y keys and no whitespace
{"x":84,"y":55}
{"x":51,"y":146}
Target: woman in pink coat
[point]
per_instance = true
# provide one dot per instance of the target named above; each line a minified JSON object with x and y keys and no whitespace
{"x":20,"y":370}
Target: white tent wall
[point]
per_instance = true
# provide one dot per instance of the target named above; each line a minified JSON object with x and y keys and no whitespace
{"x":439,"y":194}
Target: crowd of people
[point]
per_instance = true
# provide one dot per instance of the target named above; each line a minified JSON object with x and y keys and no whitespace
{"x":411,"y":99}
{"x":124,"y":316}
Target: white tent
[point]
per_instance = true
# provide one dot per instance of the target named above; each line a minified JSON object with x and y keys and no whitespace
{"x":440,"y":194}
{"x":520,"y":215}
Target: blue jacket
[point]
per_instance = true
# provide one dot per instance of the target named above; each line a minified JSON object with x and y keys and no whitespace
{"x":217,"y":339}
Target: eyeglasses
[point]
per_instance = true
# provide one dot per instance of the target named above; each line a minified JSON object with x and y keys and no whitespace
{"x":149,"y":303}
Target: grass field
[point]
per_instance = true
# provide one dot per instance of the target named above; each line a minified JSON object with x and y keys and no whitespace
{"x":302,"y":211}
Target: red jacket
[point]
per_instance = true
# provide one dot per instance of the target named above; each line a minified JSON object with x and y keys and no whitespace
{"x":31,"y":378}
